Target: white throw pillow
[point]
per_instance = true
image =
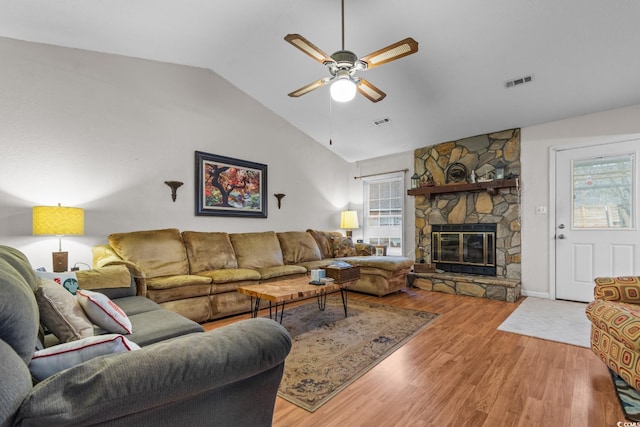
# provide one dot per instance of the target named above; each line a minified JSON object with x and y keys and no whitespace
{"x":103,"y":312}
{"x":64,"y":356}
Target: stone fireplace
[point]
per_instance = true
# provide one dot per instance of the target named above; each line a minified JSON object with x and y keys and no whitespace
{"x":446,"y":208}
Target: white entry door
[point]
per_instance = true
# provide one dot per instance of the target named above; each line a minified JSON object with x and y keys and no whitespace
{"x":596,"y":218}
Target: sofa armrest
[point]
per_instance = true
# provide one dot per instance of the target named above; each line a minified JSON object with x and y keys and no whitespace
{"x":104,"y":255}
{"x":365,"y":249}
{"x":228,"y":376}
{"x":623,"y":289}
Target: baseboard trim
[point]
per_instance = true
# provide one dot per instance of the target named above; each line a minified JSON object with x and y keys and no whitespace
{"x":545,"y":295}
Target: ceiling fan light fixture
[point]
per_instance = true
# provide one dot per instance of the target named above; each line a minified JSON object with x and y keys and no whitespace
{"x":343,"y":89}
{"x":344,"y":64}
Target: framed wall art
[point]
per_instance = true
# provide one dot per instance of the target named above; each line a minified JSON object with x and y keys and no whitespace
{"x":381,"y":250}
{"x":230,"y":187}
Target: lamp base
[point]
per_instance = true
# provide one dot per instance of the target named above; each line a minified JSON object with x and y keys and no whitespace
{"x":60,"y":261}
{"x":349,"y":233}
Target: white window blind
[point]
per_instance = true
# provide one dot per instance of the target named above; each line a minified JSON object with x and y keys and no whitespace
{"x":384,"y":212}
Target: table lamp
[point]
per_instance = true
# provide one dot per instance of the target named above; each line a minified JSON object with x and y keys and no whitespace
{"x":349,"y":220}
{"x":58,"y":221}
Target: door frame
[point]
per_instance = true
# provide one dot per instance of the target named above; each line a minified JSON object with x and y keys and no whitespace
{"x":551,"y":214}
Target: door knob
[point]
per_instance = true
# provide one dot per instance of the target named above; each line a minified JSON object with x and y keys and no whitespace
{"x":561,"y":226}
{"x":561,"y":236}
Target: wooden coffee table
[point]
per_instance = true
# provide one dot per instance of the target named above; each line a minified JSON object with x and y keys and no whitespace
{"x":281,"y":291}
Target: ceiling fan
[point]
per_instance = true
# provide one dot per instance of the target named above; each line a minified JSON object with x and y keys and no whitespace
{"x":344,"y":64}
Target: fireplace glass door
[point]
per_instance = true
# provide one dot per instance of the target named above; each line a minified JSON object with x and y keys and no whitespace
{"x":464,"y":251}
{"x":449,"y":250}
{"x":473,"y":248}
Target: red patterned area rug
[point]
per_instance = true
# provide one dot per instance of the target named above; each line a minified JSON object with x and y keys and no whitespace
{"x":330,"y":351}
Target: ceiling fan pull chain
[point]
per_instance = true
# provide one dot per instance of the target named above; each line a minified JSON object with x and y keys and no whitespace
{"x":331,"y":121}
{"x":342,"y":24}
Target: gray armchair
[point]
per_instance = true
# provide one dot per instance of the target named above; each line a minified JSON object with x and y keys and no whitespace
{"x":228,"y":376}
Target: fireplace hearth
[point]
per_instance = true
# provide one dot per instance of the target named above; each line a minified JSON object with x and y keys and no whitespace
{"x":464,"y":248}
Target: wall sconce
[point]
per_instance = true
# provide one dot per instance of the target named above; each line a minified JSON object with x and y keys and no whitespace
{"x":174,"y":188}
{"x":58,"y":221}
{"x":349,"y":220}
{"x":279,"y":196}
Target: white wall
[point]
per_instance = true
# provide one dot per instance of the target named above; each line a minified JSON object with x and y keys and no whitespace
{"x":104,"y":132}
{"x":536,"y":142}
{"x":382,"y":165}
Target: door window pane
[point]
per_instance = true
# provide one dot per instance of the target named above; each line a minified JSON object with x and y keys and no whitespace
{"x":603,"y":192}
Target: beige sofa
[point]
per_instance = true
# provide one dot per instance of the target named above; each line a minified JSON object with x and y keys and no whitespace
{"x":196,"y":274}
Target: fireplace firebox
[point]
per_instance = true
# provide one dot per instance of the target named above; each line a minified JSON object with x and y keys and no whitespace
{"x":464,"y":248}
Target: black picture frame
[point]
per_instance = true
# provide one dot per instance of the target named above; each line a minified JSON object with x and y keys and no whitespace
{"x":230,"y":187}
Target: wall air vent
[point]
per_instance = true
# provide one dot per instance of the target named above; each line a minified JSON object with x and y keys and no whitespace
{"x":381,"y":122}
{"x":519,"y":81}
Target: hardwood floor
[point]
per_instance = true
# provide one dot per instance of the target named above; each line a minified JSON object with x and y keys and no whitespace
{"x":462,"y":371}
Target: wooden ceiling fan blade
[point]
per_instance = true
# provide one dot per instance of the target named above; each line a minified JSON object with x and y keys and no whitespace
{"x":308,"y":88}
{"x":307,"y":47}
{"x":370,"y":92}
{"x":390,"y":53}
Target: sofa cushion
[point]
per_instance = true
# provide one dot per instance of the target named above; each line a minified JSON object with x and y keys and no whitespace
{"x":209,"y":251}
{"x":343,"y":246}
{"x":620,"y":320}
{"x":231,"y":275}
{"x":159,"y":325}
{"x":298,"y":246}
{"x":136,"y":305}
{"x":163,"y":289}
{"x":624,"y":289}
{"x":18,"y":261}
{"x":280,"y":271}
{"x":103,"y":312}
{"x":64,"y":356}
{"x":16,"y":383}
{"x":178,"y":281}
{"x":197,"y":309}
{"x":17,"y":307}
{"x":323,"y":238}
{"x":231,"y":287}
{"x":257,"y":250}
{"x":156,"y":252}
{"x":379,"y":285}
{"x":391,"y":263}
{"x":315,"y":265}
{"x":61,"y":313}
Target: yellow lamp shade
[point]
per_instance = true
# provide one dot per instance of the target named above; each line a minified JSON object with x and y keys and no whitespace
{"x":349,"y":219}
{"x":58,"y":220}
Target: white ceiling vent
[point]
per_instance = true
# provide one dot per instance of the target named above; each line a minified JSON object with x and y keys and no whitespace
{"x":519,"y":81}
{"x":381,"y":122}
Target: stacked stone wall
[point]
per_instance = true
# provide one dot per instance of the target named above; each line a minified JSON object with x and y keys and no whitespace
{"x":481,"y":154}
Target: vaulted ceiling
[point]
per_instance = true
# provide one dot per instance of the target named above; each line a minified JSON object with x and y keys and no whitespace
{"x":582,"y":56}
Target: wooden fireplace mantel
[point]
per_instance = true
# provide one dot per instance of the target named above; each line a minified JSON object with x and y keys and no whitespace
{"x":490,"y":186}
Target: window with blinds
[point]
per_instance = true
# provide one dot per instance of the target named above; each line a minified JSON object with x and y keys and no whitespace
{"x":383,"y":212}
